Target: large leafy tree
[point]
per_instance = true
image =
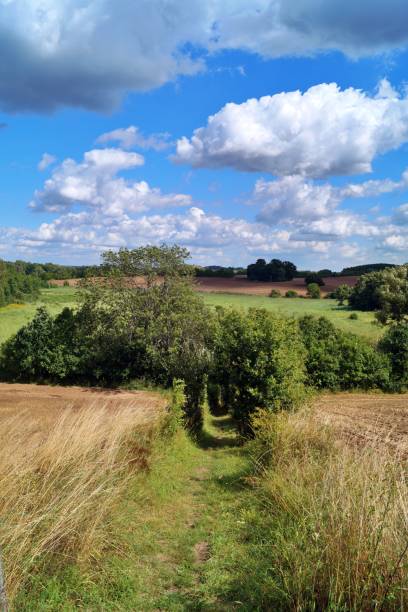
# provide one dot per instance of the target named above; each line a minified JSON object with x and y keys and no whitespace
{"x":385,"y":291}
{"x":145,"y":318}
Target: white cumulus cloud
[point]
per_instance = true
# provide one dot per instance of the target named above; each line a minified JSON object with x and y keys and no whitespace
{"x":94,"y":183}
{"x":321,"y":132}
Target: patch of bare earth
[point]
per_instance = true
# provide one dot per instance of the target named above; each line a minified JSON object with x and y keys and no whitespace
{"x":240,"y":284}
{"x":363,"y":418}
{"x":47,"y":403}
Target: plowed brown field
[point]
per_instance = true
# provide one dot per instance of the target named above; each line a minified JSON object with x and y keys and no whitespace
{"x":367,"y":418}
{"x":240,"y":284}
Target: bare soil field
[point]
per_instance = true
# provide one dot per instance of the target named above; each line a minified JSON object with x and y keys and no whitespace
{"x":47,"y":403}
{"x":240,"y":284}
{"x":364,"y":418}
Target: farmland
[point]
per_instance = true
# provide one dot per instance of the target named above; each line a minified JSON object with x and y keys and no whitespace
{"x":240,"y":284}
{"x":217,"y":546}
{"x":283,"y":498}
{"x":12,"y":317}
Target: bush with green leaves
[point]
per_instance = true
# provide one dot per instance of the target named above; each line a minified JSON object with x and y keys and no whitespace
{"x":341,"y":294}
{"x":42,"y":350}
{"x":258,"y":363}
{"x":274,"y":293}
{"x":314,"y":277}
{"x":394,"y":344}
{"x":338,"y":360}
{"x":291,"y":293}
{"x":385,"y":291}
{"x":313,"y":291}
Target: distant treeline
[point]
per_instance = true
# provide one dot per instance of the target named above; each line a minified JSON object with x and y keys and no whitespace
{"x":365,"y":269}
{"x":16,"y":286}
{"x":51,"y":271}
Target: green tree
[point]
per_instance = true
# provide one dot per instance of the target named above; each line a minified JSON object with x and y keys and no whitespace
{"x":385,"y":291}
{"x":313,"y":291}
{"x":314,"y":277}
{"x":258,"y":363}
{"x":161,"y":329}
{"x":395,"y":345}
{"x":341,"y":294}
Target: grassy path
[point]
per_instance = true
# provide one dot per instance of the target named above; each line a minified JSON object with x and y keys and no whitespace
{"x":170,"y":538}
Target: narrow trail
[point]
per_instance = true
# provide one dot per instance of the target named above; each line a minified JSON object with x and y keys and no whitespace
{"x":172,"y":536}
{"x":188,"y":530}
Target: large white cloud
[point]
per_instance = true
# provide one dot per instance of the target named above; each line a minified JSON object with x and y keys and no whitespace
{"x":88,"y":53}
{"x":321,"y":132}
{"x":95,"y":183}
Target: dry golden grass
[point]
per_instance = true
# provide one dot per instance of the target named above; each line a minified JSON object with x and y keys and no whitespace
{"x":338,"y":516}
{"x":61,"y":475}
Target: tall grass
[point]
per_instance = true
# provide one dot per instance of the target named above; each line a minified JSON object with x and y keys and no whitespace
{"x":334,"y":525}
{"x":59,"y":478}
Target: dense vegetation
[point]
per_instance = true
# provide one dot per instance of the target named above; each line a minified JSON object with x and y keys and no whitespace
{"x":365,"y":269}
{"x":15,"y":285}
{"x":164,"y":331}
{"x":49,"y":271}
{"x":385,"y":292}
{"x":275,"y":270}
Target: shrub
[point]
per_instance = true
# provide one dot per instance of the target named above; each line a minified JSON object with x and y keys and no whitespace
{"x":258,"y":362}
{"x":42,"y":350}
{"x":385,"y":291}
{"x":291,"y":293}
{"x":353,"y":316}
{"x":395,"y":345}
{"x":275,"y":293}
{"x":342,"y":293}
{"x":314,"y":278}
{"x":337,"y":360}
{"x":313,"y":291}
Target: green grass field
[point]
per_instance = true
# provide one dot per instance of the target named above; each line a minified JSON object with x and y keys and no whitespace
{"x":298,"y":307}
{"x":12,"y":317}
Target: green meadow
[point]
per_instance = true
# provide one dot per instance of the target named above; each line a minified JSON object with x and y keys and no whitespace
{"x":12,"y":317}
{"x":364,"y":325}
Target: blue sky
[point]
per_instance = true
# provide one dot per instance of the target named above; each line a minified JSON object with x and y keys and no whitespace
{"x":237,"y":129}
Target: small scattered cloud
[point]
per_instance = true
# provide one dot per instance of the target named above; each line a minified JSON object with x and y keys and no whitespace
{"x":131,"y":137}
{"x":46,"y":160}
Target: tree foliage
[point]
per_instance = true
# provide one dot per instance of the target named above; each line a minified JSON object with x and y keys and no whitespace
{"x":258,"y":363}
{"x":15,"y":286}
{"x":337,"y":360}
{"x":275,"y":270}
{"x":385,"y":291}
{"x":314,"y":277}
{"x":313,"y":291}
{"x":342,"y":293}
{"x":395,"y":344}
